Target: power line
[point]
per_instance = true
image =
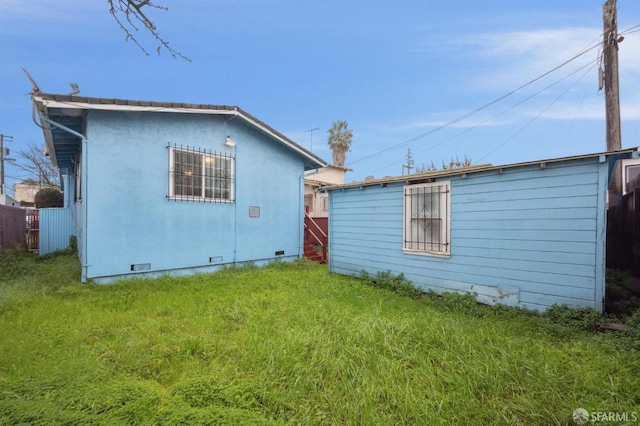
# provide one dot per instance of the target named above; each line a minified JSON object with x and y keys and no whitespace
{"x":521,"y":102}
{"x":536,"y":117}
{"x":628,"y":30}
{"x":467,"y":115}
{"x":469,"y":129}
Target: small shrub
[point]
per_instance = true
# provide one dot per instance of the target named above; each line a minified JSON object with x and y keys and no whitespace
{"x":619,"y":300}
{"x":395,"y":283}
{"x":581,"y":318}
{"x":73,"y":244}
{"x":49,"y":197}
{"x":634,"y":320}
{"x":460,"y":303}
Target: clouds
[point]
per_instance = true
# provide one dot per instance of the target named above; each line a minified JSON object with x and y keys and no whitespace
{"x":510,"y":59}
{"x":480,"y":116}
{"x":506,"y":61}
{"x":514,"y":58}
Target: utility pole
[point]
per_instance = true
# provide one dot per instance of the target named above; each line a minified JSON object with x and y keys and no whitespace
{"x":3,"y":151}
{"x":311,"y":131}
{"x":612,"y":91}
{"x":409,"y":164}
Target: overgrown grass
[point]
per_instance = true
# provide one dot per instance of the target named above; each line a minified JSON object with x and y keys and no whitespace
{"x":289,"y":343}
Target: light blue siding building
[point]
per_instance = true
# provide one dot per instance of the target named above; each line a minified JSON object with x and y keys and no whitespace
{"x":530,"y":234}
{"x":158,"y":188}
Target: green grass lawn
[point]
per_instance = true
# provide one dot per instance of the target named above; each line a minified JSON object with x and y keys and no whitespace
{"x":286,"y":344}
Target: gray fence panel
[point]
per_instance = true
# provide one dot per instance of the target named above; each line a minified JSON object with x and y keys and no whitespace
{"x":56,"y":226}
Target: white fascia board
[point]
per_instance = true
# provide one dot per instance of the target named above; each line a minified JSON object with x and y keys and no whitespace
{"x":48,"y":138}
{"x":48,"y":103}
{"x":281,"y":140}
{"x":133,"y":108}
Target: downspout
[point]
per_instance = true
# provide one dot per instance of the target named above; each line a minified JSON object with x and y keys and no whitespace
{"x":235,"y":195}
{"x":85,"y":178}
{"x":235,"y":205}
{"x":329,"y":236}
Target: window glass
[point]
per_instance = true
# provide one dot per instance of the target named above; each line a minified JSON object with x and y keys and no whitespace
{"x":198,"y":175}
{"x":426,"y":224}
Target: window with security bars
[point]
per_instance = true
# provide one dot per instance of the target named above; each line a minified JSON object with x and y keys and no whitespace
{"x":196,"y":175}
{"x":426,"y":218}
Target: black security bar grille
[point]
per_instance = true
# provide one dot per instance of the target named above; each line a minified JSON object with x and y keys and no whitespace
{"x":200,"y":175}
{"x":426,"y":218}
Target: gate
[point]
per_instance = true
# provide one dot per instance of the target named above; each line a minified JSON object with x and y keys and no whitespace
{"x":33,"y":230}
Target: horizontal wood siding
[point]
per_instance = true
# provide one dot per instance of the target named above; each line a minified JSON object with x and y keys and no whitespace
{"x":530,"y":232}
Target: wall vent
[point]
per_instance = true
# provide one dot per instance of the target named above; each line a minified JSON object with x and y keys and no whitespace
{"x":280,"y":253}
{"x":141,"y":267}
{"x":254,"y":211}
{"x":215,"y":259}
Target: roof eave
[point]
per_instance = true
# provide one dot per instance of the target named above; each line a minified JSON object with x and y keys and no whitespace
{"x":46,"y":130}
{"x":472,"y":169}
{"x":86,"y":103}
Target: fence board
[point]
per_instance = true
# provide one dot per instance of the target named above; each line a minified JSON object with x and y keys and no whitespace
{"x":623,"y":234}
{"x":13,"y":226}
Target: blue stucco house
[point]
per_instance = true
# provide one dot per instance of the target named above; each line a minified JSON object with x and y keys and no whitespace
{"x":156,"y":187}
{"x":530,"y":234}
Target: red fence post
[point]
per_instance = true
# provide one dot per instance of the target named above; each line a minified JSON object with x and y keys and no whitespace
{"x":33,"y":230}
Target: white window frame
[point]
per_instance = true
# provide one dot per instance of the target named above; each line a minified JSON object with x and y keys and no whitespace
{"x":419,"y":216}
{"x":205,"y":158}
{"x":625,"y":175}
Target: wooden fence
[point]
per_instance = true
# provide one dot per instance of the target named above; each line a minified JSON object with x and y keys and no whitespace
{"x":13,"y":226}
{"x":623,"y":233}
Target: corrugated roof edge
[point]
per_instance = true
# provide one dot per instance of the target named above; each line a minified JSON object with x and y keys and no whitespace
{"x":466,"y":170}
{"x":176,"y":105}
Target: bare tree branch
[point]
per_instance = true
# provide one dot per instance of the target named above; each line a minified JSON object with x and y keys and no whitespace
{"x":33,"y":161}
{"x":129,"y":14}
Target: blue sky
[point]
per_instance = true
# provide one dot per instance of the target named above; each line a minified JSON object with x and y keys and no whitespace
{"x":396,"y":72}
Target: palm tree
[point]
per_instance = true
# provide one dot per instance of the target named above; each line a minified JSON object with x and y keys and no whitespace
{"x":339,"y":141}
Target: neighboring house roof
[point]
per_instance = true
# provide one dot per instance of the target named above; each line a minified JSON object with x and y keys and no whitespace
{"x":68,"y":111}
{"x":26,"y":192}
{"x":346,"y":169}
{"x":473,"y":169}
{"x":7,"y":200}
{"x":315,"y":183}
{"x":326,"y":176}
